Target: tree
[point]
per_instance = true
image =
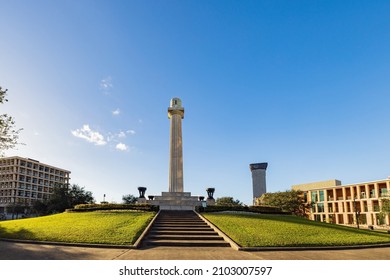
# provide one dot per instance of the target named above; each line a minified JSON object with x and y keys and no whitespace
{"x":59,"y":200}
{"x":289,"y":201}
{"x":227,"y":201}
{"x":16,"y":210}
{"x":385,"y":209}
{"x":78,"y":195}
{"x":40,"y":207}
{"x":9,"y":135}
{"x":67,"y":196}
{"x":385,"y":206}
{"x":129,"y":199}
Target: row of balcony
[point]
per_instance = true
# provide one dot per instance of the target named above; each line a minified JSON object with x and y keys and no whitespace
{"x":374,"y":208}
{"x":40,"y":181}
{"x":29,"y":167}
{"x":27,"y":194}
{"x":362,"y":196}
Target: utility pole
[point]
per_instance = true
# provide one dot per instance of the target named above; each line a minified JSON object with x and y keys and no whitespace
{"x":356,"y":212}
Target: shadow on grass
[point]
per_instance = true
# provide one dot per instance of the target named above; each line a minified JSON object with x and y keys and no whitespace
{"x":17,"y":250}
{"x":16,"y":234}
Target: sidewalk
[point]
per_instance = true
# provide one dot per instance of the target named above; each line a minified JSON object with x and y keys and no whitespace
{"x":23,"y":251}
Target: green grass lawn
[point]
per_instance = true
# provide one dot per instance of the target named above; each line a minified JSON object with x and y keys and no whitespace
{"x":103,"y":227}
{"x":264,"y":230}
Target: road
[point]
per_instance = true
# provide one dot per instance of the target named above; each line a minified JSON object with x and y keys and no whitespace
{"x":24,"y":251}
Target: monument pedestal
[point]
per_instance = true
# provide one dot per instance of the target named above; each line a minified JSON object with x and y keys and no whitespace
{"x":210,"y":201}
{"x":176,"y":201}
{"x":141,"y":200}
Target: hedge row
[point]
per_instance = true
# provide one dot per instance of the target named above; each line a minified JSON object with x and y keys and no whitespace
{"x":148,"y":207}
{"x":97,"y":207}
{"x":254,"y":209}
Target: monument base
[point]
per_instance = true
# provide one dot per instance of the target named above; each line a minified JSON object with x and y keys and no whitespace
{"x":176,"y":201}
{"x":210,"y":201}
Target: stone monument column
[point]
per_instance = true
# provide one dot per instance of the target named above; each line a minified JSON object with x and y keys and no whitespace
{"x":176,"y":114}
{"x":258,"y":179}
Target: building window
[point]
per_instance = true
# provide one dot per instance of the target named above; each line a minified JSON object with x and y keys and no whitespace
{"x":314,"y":197}
{"x":320,"y":207}
{"x":322,"y":196}
{"x":363,"y":219}
{"x":380,"y":219}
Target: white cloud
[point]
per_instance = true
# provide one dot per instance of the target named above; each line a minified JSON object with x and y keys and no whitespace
{"x":106,"y":83}
{"x":115,"y":137}
{"x":122,"y":147}
{"x":88,"y":134}
{"x":116,"y":112}
{"x":122,"y":134}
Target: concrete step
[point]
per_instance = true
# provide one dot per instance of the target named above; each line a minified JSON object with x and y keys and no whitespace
{"x":181,"y":233}
{"x":182,"y":228}
{"x":179,"y":220}
{"x":187,"y":243}
{"x":184,"y":237}
{"x":190,"y":220}
{"x":182,"y":225}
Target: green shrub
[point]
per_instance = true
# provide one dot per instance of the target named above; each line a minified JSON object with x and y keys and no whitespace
{"x":255,"y":209}
{"x":97,"y":207}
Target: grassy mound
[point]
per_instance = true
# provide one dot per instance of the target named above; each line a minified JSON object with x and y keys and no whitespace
{"x":104,"y":227}
{"x":253,"y":230}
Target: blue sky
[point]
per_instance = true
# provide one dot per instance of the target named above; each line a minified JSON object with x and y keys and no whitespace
{"x":302,"y":85}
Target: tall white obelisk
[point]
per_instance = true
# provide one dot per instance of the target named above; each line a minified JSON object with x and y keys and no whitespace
{"x":176,"y":114}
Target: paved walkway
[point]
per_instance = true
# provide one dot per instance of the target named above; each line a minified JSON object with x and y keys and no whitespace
{"x":23,"y":251}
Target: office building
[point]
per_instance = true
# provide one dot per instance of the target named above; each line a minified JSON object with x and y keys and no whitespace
{"x":25,"y":180}
{"x":354,"y":204}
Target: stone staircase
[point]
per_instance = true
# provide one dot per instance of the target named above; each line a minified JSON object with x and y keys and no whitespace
{"x":182,"y":228}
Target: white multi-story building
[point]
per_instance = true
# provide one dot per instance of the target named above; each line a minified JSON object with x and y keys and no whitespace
{"x":347,"y":204}
{"x":24,"y":180}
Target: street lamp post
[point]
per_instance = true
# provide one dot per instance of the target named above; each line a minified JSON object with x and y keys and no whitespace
{"x":357,"y":213}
